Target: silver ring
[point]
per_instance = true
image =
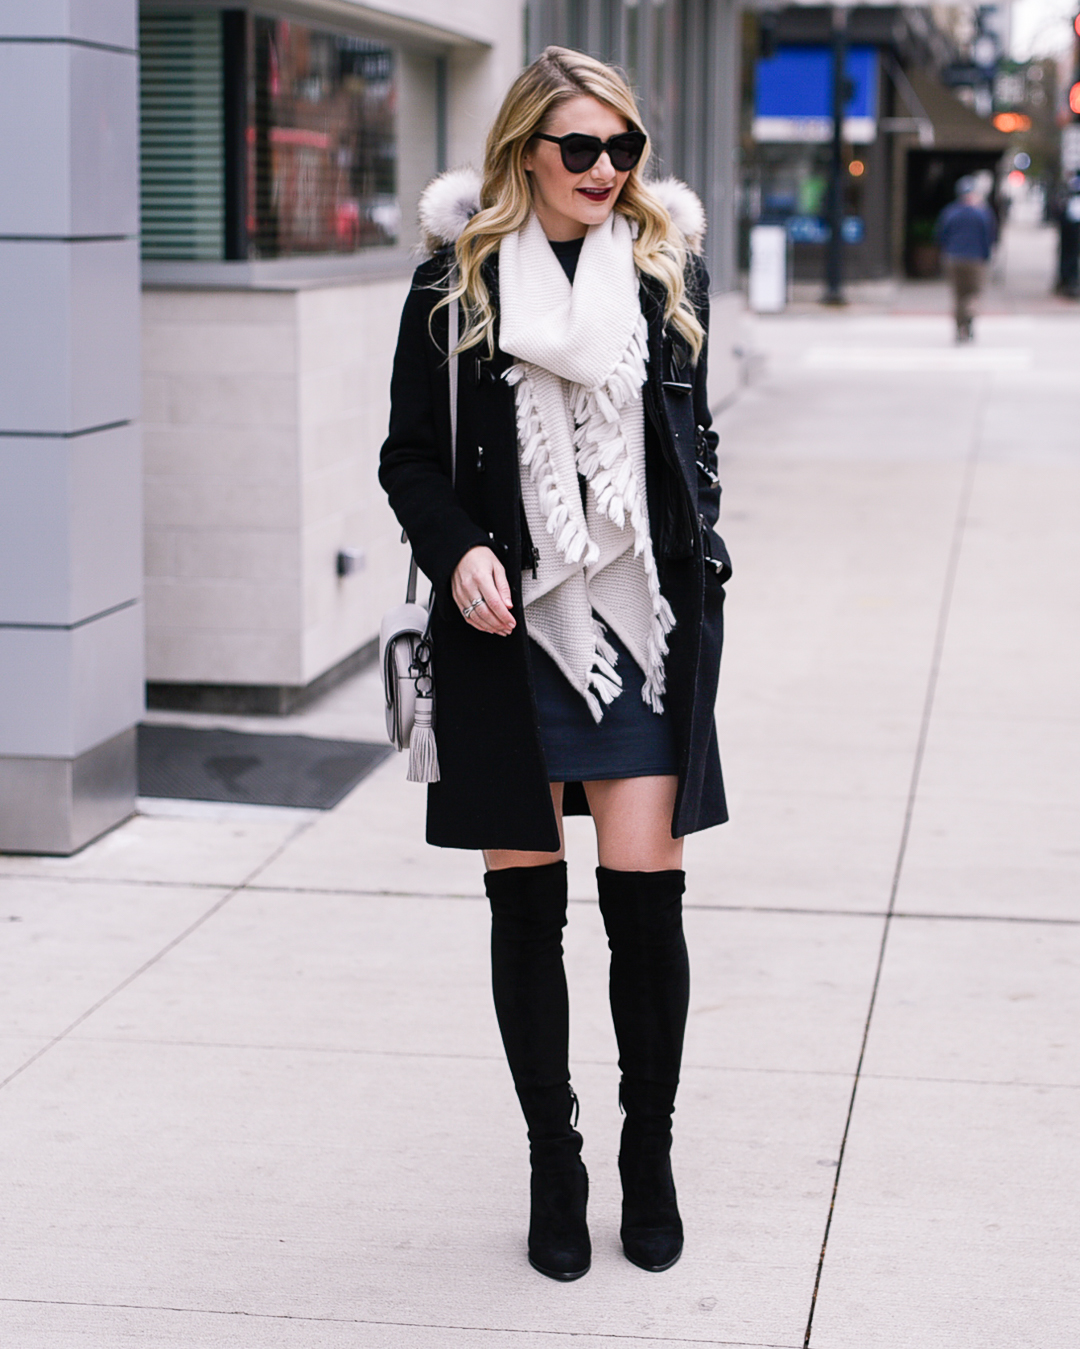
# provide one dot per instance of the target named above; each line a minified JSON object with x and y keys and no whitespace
{"x":470,"y":607}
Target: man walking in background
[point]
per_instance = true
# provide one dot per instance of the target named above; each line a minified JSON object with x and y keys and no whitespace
{"x":966,"y":231}
{"x":1068,"y":282}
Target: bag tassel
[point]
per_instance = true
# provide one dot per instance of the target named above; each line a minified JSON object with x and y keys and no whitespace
{"x":423,"y":754}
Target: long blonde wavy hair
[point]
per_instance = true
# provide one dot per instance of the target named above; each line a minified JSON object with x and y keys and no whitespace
{"x":660,"y":251}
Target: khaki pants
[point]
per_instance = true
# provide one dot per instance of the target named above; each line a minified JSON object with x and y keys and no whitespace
{"x":966,"y":275}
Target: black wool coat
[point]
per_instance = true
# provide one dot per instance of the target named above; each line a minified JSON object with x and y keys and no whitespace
{"x":494,"y":791}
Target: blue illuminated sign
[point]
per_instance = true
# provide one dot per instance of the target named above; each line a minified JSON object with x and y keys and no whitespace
{"x":794,"y":95}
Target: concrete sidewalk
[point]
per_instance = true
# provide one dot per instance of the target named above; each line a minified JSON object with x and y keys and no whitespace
{"x":254,"y":1092}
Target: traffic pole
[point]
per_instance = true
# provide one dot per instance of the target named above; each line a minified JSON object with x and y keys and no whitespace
{"x":834,"y":248}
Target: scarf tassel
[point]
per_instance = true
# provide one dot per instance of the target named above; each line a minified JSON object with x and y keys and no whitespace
{"x":655,"y":686}
{"x":601,"y":693}
{"x":604,"y":683}
{"x":604,"y":649}
{"x":618,"y":498}
{"x":571,"y":539}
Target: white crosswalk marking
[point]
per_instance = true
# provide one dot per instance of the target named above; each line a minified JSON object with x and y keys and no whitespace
{"x":928,"y":360}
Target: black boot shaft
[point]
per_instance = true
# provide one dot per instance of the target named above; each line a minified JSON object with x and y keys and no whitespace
{"x":528,"y":982}
{"x":650,"y":992}
{"x":650,"y":971}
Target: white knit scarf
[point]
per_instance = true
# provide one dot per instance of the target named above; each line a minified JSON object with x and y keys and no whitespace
{"x":581,"y":362}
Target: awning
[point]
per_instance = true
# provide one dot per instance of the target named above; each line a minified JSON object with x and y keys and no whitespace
{"x":378,"y":22}
{"x":955,"y":125}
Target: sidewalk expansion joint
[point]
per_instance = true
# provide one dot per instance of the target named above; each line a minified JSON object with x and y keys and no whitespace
{"x":987,"y":918}
{"x":406,"y":1325}
{"x":51,"y":877}
{"x":952,"y":567}
{"x":155,"y":959}
{"x":973,"y":1081}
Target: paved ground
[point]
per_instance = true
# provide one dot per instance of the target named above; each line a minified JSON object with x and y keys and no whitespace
{"x":254,"y":1095}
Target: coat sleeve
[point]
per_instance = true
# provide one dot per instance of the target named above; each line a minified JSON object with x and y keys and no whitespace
{"x":414,"y":467}
{"x":706,"y":438}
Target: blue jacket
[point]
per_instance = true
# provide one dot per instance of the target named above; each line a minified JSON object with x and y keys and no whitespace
{"x":966,"y":231}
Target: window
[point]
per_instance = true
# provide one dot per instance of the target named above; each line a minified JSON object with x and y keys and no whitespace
{"x":321,"y":171}
{"x":264,"y":138}
{"x":183,"y":157}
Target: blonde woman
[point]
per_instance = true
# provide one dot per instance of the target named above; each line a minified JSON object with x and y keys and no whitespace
{"x":578,"y":595}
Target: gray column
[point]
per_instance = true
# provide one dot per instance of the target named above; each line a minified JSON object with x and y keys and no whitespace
{"x":71,"y":640}
{"x":725,"y":18}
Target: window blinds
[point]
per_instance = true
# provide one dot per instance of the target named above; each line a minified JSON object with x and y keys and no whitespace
{"x":183,"y":157}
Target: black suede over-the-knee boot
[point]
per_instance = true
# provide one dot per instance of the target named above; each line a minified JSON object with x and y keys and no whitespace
{"x":528,"y":914}
{"x":650,"y":992}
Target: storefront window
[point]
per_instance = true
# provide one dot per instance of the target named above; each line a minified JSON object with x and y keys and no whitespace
{"x":321,"y":162}
{"x":787,"y":175}
{"x":264,"y":138}
{"x":792,"y":188}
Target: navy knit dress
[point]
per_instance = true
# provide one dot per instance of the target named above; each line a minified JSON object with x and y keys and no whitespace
{"x":631,"y":741}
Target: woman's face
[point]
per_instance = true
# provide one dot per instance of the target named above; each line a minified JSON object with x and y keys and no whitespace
{"x":568,"y":203}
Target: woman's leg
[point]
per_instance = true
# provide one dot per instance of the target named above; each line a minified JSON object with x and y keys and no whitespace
{"x":641,"y":885}
{"x":633,"y":823}
{"x":527,"y":892}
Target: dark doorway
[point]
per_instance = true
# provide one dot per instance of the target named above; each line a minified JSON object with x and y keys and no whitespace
{"x":932,"y":176}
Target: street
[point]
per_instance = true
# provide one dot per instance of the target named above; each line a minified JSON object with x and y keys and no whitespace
{"x":253,"y":1093}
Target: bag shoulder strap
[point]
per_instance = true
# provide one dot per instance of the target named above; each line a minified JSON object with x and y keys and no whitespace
{"x":453,"y":316}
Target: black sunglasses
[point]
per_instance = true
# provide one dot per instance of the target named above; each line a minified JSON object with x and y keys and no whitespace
{"x":580,"y":152}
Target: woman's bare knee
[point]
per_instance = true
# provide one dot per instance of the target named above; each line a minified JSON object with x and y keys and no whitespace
{"x":633,"y":823}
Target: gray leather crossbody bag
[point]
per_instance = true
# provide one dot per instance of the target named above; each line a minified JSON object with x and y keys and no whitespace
{"x":405,"y":640}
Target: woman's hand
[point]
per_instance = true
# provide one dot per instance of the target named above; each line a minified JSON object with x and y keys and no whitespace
{"x":481,"y":576}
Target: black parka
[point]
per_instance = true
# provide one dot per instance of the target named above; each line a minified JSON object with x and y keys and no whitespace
{"x":493,"y":791}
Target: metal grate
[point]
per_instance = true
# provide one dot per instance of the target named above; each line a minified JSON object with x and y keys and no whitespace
{"x":183,"y":154}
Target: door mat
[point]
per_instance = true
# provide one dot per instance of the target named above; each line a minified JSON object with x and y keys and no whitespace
{"x":191,"y":764}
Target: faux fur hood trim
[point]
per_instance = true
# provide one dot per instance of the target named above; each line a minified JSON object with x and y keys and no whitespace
{"x":684,"y":206}
{"x":450,"y":201}
{"x":447,"y":205}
